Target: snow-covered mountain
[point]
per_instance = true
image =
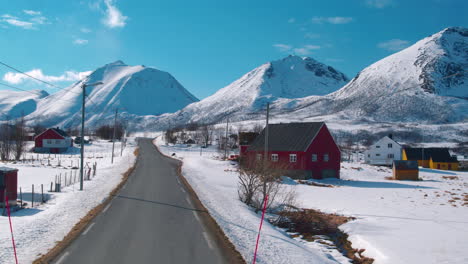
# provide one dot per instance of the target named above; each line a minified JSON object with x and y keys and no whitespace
{"x":288,"y":78}
{"x":425,"y":82}
{"x":13,"y":104}
{"x":135,"y":90}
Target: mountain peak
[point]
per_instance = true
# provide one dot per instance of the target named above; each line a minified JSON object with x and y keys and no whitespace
{"x":117,"y":63}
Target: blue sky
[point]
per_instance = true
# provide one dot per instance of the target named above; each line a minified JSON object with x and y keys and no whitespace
{"x":208,"y":44}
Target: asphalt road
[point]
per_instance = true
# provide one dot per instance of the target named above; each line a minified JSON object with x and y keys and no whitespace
{"x":151,"y":220}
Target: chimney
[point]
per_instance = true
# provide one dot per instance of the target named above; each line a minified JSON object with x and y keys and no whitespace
{"x":390,"y":136}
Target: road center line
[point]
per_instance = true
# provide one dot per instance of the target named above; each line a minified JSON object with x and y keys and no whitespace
{"x":188,"y":201}
{"x":196,"y":216}
{"x":208,"y":241}
{"x":62,"y":258}
{"x":87,"y":229}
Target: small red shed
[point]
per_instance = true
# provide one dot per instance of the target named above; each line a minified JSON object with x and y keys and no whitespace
{"x":53,"y":140}
{"x":307,"y":150}
{"x":8,"y":183}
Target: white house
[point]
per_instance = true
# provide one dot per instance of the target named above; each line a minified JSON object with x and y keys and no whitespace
{"x":383,"y":152}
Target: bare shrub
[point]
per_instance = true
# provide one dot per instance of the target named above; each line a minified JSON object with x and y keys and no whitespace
{"x":260,"y":179}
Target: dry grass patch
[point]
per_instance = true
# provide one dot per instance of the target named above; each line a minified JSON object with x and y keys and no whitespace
{"x":314,"y":225}
{"x":311,"y":183}
{"x":450,"y":177}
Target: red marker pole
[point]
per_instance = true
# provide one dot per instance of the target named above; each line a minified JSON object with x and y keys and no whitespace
{"x":11,"y":229}
{"x":260,"y":228}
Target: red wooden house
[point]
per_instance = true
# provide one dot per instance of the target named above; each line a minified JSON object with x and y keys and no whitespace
{"x":307,"y":150}
{"x":53,"y":140}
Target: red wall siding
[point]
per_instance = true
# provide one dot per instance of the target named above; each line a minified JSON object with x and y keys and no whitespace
{"x":322,"y":144}
{"x":11,"y":180}
{"x":48,"y":134}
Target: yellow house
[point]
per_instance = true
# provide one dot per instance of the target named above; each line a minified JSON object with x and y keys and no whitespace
{"x":434,"y":158}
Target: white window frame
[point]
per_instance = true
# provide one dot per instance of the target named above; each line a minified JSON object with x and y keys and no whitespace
{"x":314,"y":157}
{"x":292,"y":158}
{"x":274,"y":157}
{"x":49,"y":141}
{"x":326,"y":157}
{"x":259,"y":156}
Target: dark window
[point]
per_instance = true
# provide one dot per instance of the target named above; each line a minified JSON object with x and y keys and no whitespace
{"x":378,"y":155}
{"x":377,"y":146}
{"x":390,"y":156}
{"x":390,"y":145}
{"x":292,"y":157}
{"x":326,"y":157}
{"x":314,"y":157}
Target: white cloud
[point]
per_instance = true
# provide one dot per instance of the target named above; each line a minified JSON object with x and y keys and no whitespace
{"x":311,"y":36}
{"x":16,"y":78}
{"x":114,"y":18}
{"x":379,"y":3}
{"x":304,"y":50}
{"x":31,"y":23}
{"x":19,"y":23}
{"x":332,"y":20}
{"x":85,"y":30}
{"x":283,"y":47}
{"x":32,"y":12}
{"x":291,"y":20}
{"x":79,"y":41}
{"x":393,"y":44}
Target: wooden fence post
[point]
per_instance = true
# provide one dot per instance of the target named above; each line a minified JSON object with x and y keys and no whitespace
{"x":32,"y":200}
{"x":42,"y":192}
{"x":21,"y":198}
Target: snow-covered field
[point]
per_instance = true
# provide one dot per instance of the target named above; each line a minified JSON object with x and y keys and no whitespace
{"x":38,"y":229}
{"x":396,"y":221}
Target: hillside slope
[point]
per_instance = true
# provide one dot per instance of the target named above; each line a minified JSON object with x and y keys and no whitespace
{"x":13,"y":104}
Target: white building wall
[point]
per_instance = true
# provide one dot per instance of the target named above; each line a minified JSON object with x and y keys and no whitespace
{"x":383,"y":152}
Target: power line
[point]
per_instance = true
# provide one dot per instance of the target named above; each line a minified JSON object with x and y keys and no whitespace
{"x":37,"y":79}
{"x":29,"y":91}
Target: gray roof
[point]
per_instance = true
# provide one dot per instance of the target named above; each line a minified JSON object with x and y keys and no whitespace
{"x":6,"y":169}
{"x":287,"y":137}
{"x":405,"y":164}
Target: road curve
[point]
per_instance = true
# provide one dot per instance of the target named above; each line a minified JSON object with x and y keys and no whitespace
{"x":151,"y":220}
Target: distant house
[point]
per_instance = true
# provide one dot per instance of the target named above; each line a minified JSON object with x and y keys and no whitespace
{"x":53,"y":140}
{"x":405,"y":170}
{"x":307,"y":150}
{"x":434,"y":158}
{"x":383,"y":152}
{"x":245,"y":140}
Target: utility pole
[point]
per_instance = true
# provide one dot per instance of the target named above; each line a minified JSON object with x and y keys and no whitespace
{"x":113,"y":135}
{"x":226,"y":142}
{"x":83,"y":87}
{"x":266,"y":133}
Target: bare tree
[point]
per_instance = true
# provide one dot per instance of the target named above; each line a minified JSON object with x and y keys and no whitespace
{"x":6,"y":133}
{"x":258,"y":179}
{"x":19,"y":137}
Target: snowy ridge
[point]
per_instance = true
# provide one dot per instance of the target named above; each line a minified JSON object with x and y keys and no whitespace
{"x":136,"y":90}
{"x":288,"y":78}
{"x":425,"y":82}
{"x":15,"y":103}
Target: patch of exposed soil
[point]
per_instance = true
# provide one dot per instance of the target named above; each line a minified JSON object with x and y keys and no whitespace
{"x":314,"y":225}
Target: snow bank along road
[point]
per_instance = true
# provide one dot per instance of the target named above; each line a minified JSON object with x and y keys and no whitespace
{"x":151,"y":220}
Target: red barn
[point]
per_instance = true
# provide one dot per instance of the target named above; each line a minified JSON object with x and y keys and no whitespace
{"x":53,"y":140}
{"x":8,"y":183}
{"x":307,"y":150}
